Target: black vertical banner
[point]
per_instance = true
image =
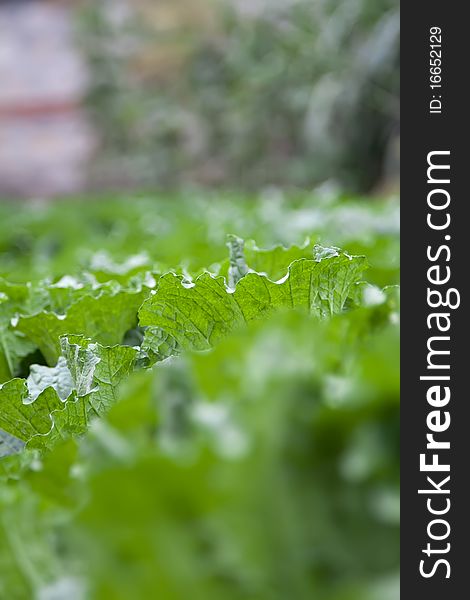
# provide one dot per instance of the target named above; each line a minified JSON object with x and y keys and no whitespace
{"x":435,"y":272}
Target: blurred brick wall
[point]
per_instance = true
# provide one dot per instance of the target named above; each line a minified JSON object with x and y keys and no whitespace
{"x":45,"y":139}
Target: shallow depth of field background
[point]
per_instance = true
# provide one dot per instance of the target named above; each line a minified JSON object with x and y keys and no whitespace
{"x":153,"y":128}
{"x":217,"y":93}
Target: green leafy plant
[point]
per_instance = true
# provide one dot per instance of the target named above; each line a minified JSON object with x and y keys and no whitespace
{"x":209,"y":427}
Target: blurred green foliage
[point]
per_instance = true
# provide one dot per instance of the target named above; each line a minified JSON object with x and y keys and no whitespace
{"x":143,"y":231}
{"x":293,"y":93}
{"x":264,"y":468}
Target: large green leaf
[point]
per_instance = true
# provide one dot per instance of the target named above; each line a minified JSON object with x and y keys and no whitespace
{"x":97,"y":370}
{"x":55,"y":402}
{"x":41,"y":421}
{"x":105,"y":318}
{"x":25,"y":419}
{"x":199,"y":314}
{"x":273,"y":262}
{"x":14,"y":347}
{"x":158,"y":345}
{"x":94,"y":372}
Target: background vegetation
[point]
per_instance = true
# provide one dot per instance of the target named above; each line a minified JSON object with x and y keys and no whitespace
{"x":240,"y":94}
{"x":265,"y":466}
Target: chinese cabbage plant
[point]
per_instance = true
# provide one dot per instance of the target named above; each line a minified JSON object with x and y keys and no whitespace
{"x":221,"y":427}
